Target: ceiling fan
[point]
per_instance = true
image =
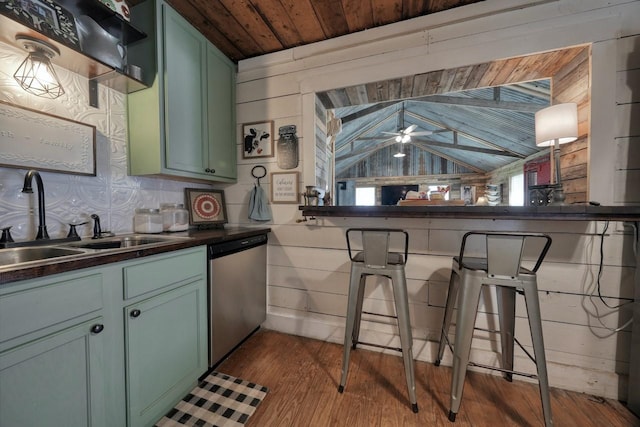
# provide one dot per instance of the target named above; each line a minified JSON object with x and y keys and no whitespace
{"x":403,"y":134}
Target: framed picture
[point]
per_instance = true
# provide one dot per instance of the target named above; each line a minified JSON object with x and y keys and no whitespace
{"x":31,"y":139}
{"x":258,"y":140}
{"x":206,"y":207}
{"x":284,"y":187}
{"x":46,"y":17}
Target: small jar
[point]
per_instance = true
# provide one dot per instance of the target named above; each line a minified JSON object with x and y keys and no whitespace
{"x":174,"y":217}
{"x":147,"y":221}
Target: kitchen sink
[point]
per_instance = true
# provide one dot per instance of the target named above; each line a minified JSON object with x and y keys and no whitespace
{"x":19,"y":255}
{"x":123,"y":242}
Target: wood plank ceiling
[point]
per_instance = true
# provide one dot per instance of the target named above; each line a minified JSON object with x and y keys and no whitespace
{"x":246,"y":28}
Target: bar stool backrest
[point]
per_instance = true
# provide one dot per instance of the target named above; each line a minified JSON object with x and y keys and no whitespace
{"x":504,"y":252}
{"x":504,"y":255}
{"x":375,"y":246}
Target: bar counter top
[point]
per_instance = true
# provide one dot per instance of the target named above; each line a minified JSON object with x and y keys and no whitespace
{"x":582,"y":212}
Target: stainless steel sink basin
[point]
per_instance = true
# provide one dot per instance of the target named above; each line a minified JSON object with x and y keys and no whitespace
{"x":123,"y":242}
{"x":20,"y":255}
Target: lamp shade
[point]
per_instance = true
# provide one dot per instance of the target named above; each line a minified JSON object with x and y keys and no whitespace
{"x":558,"y":122}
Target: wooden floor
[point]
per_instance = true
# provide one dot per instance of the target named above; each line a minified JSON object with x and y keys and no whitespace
{"x":302,"y":375}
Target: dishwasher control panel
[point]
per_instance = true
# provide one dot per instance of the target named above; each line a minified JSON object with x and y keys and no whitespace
{"x":218,"y":250}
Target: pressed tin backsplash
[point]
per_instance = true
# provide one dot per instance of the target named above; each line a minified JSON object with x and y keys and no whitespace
{"x":111,"y":194}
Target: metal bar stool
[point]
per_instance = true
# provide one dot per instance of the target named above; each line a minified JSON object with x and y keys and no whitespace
{"x":375,"y":259}
{"x":501,"y":267}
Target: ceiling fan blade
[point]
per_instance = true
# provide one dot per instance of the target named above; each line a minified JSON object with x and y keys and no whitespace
{"x":409,"y":129}
{"x":422,"y":133}
{"x":390,"y":133}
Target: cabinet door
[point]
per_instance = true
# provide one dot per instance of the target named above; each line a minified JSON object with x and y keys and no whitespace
{"x":185,"y":106}
{"x":166,"y":346}
{"x":56,"y":380}
{"x":221,"y":83}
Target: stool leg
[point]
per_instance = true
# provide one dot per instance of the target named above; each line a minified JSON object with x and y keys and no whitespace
{"x":465,"y":322}
{"x":535,"y":326}
{"x":507,"y":319}
{"x":448,"y":312}
{"x":358,"y":316}
{"x":401,"y":299}
{"x":354,"y":285}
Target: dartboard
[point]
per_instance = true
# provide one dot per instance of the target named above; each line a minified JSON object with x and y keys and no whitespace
{"x":206,"y":206}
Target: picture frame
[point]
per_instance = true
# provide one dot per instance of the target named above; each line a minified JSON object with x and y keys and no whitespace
{"x":31,"y":139}
{"x":257,"y":140}
{"x":284,"y":187}
{"x":206,"y":207}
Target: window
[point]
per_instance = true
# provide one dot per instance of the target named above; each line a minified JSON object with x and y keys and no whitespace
{"x":365,"y":196}
{"x":516,"y":190}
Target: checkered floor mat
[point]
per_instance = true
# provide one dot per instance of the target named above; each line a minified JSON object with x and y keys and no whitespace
{"x":219,"y":401}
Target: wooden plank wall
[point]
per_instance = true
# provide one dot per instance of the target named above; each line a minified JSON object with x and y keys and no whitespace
{"x":627,"y":170}
{"x":307,"y":262}
{"x":571,"y":84}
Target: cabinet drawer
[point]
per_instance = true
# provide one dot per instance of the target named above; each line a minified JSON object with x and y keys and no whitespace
{"x":180,"y":267}
{"x":53,"y":303}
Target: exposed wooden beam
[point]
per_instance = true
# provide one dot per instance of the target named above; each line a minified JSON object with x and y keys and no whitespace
{"x":524,"y":107}
{"x":466,"y":135}
{"x":376,"y":125}
{"x":456,"y":146}
{"x":369,"y":149}
{"x":366,"y":111}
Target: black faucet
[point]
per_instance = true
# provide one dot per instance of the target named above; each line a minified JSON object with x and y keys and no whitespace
{"x":97,"y":230}
{"x":42,"y":226}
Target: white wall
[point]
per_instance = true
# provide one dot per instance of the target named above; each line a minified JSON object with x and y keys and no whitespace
{"x":308,"y":268}
{"x":112,"y":194}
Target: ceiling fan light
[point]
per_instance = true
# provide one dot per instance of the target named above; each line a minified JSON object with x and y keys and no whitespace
{"x":405,"y":139}
{"x":398,"y":138}
{"x":399,"y":155}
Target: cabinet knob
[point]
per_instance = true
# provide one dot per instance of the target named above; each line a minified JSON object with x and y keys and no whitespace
{"x":135,"y":313}
{"x":209,"y":170}
{"x":97,"y":328}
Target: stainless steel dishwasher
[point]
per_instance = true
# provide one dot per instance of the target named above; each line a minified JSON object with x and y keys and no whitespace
{"x":237,"y":293}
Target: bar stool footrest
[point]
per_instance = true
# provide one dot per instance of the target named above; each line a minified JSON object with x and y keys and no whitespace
{"x":391,"y":316}
{"x":378,"y":346}
{"x":506,"y":371}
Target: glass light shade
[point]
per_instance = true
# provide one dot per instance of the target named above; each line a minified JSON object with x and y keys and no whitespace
{"x":405,"y":139}
{"x":399,"y":155}
{"x":558,"y":122}
{"x":37,"y":76}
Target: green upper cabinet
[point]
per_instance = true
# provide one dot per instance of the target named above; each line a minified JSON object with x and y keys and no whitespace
{"x":184,"y":124}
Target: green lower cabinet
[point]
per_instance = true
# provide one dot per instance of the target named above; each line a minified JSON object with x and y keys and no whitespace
{"x":111,"y":346}
{"x":166,"y":350}
{"x":56,"y":381}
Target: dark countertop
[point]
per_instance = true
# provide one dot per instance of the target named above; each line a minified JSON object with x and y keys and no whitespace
{"x":51,"y":266}
{"x":554,"y":213}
